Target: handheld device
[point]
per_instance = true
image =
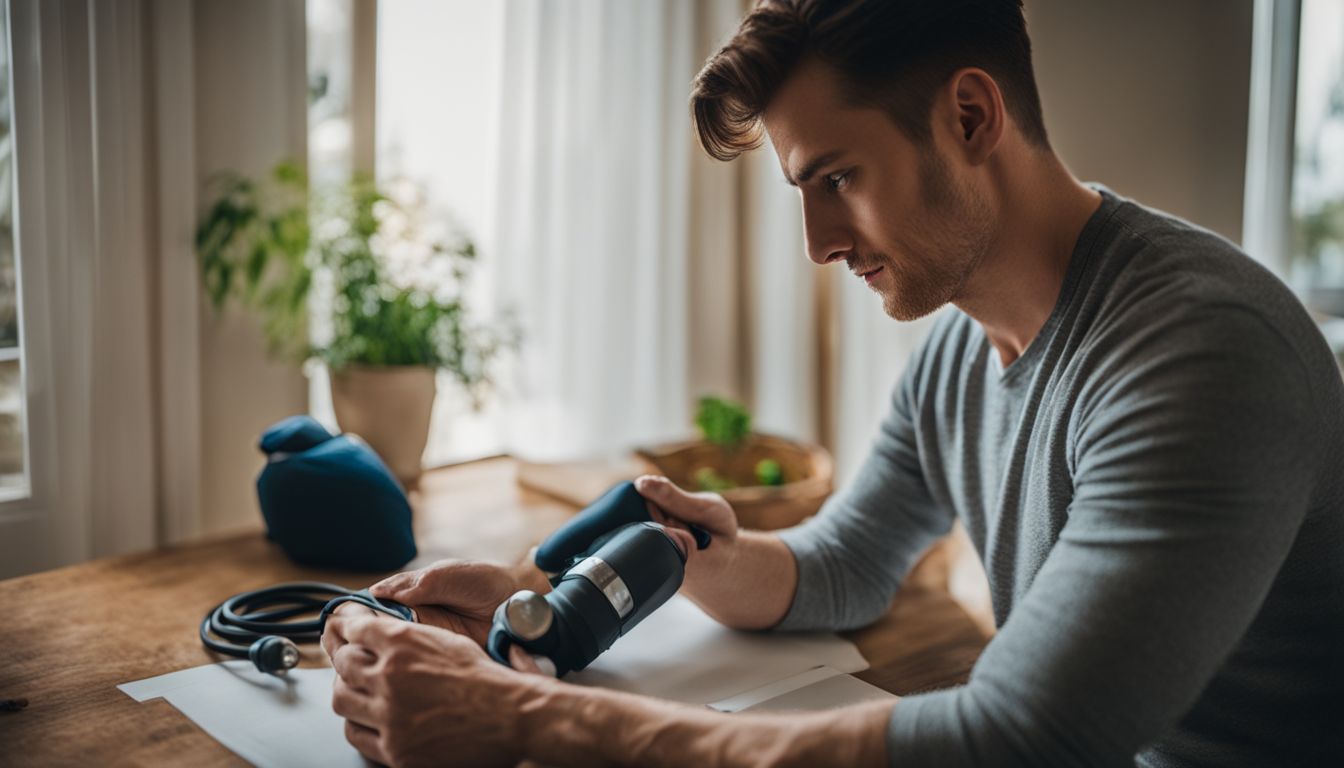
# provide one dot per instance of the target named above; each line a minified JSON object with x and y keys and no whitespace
{"x":609,"y":567}
{"x":592,"y":527}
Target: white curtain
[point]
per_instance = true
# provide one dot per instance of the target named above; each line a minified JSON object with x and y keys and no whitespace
{"x":85,"y":285}
{"x":596,"y":208}
{"x":646,"y":275}
{"x":872,"y":352}
{"x":787,"y":327}
{"x":142,"y":406}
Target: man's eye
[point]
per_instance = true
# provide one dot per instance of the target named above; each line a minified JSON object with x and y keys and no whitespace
{"x":838,"y":180}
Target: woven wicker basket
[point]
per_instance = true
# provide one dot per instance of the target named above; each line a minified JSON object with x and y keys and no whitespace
{"x":808,"y":476}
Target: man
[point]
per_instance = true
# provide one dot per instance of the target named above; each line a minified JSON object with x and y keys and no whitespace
{"x":1139,"y":427}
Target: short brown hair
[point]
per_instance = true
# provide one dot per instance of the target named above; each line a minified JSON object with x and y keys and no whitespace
{"x":891,"y":54}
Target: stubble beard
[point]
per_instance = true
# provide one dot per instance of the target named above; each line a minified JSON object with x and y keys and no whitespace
{"x":952,"y":247}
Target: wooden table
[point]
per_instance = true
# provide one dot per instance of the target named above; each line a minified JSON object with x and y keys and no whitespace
{"x":69,"y":636}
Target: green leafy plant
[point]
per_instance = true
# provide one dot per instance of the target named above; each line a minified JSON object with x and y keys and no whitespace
{"x":253,"y":243}
{"x":266,"y":243}
{"x":723,"y":422}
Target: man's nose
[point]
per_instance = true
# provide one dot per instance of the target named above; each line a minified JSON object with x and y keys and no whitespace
{"x":827,"y":239}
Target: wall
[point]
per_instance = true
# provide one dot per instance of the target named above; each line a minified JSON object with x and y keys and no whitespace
{"x":251,"y":112}
{"x":1150,"y":97}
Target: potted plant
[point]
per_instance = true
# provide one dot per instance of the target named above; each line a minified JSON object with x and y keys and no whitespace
{"x":395,"y":286}
{"x":771,"y":482}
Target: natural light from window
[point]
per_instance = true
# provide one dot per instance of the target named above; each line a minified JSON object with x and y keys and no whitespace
{"x":437,"y":90}
{"x":1318,"y":173}
{"x":13,"y":460}
{"x":437,"y":127}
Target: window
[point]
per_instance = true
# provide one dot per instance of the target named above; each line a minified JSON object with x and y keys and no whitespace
{"x":13,"y":459}
{"x":1317,"y":208}
{"x":437,"y":70}
{"x":445,"y":140}
{"x":1294,"y":212}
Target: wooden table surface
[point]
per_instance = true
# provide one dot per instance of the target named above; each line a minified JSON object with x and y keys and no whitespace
{"x":68,"y":637}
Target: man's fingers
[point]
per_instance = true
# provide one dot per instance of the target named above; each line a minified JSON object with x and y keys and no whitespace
{"x":659,"y":516}
{"x":395,"y":584}
{"x":331,"y":643}
{"x":354,"y":665}
{"x":355,"y":705}
{"x":351,"y":607}
{"x":332,"y":639}
{"x":673,"y":501}
{"x":365,"y":740}
{"x":522,"y":661}
{"x":683,"y":540}
{"x":339,"y":631}
{"x":368,"y":631}
{"x":433,"y":584}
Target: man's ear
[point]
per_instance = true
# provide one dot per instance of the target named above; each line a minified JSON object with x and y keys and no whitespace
{"x":978,"y":116}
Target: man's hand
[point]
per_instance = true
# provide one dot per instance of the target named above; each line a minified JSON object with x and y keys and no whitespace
{"x":457,"y":595}
{"x":744,"y":579}
{"x":418,"y":695}
{"x":676,"y":508}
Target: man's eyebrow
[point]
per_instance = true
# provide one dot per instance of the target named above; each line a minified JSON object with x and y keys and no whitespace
{"x":810,"y":169}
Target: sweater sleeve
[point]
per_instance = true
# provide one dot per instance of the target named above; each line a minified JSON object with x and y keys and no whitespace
{"x":854,"y":552}
{"x":1191,"y":453}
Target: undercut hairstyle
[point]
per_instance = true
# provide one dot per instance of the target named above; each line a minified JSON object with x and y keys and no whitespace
{"x":892,"y":55}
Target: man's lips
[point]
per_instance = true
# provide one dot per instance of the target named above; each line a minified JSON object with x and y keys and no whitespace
{"x":870,"y":275}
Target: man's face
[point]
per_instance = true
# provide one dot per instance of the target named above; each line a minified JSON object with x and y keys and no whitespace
{"x":896,"y":213}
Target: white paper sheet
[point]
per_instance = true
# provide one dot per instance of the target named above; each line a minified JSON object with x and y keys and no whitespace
{"x":266,"y":720}
{"x":755,"y":696}
{"x":815,"y":689}
{"x":678,"y":653}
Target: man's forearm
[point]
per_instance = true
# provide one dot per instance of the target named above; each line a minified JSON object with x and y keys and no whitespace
{"x":571,"y":725}
{"x":751,"y":590}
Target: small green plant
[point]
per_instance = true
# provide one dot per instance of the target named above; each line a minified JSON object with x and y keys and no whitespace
{"x":264,"y":244}
{"x":708,"y":479}
{"x":769,"y":472}
{"x":727,"y":424}
{"x":723,"y":422}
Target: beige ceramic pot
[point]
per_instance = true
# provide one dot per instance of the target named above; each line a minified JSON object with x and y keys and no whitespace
{"x":389,"y":407}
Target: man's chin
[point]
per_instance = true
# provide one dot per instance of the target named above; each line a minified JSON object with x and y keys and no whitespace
{"x":901,"y":308}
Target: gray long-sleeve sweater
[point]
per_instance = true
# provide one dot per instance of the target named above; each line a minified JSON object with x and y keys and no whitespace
{"x":1156,"y":489}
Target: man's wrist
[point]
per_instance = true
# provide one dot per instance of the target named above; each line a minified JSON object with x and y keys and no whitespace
{"x":750,"y":586}
{"x":711,"y":574}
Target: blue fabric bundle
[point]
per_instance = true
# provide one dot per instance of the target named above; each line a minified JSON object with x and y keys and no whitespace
{"x":330,"y":502}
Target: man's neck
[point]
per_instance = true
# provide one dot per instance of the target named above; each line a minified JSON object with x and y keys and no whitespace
{"x":1012,"y":292}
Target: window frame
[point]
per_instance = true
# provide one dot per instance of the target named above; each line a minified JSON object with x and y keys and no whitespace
{"x":18,"y":500}
{"x":33,"y":26}
{"x":1267,"y":221}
